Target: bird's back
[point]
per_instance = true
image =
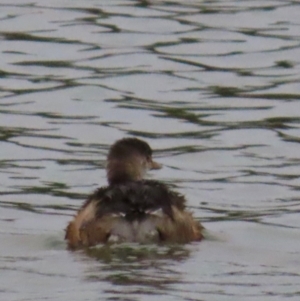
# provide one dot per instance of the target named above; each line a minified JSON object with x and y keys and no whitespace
{"x":137,"y":211}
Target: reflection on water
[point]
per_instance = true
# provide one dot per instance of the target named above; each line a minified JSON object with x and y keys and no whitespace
{"x":131,"y":254}
{"x":213,"y":86}
{"x":147,"y":269}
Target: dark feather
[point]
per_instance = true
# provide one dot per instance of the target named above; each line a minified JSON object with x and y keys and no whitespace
{"x":136,"y":199}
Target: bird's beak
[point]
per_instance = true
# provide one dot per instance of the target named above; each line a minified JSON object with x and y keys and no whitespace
{"x":155,"y":165}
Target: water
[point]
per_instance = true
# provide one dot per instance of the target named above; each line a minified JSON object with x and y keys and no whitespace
{"x":213,"y":86}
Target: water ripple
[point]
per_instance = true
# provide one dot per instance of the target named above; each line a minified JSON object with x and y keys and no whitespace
{"x":213,"y":86}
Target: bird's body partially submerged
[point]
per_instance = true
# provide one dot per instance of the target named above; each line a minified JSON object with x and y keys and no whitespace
{"x":132,"y":209}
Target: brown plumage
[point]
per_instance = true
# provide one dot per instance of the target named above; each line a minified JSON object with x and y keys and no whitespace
{"x":130,"y":208}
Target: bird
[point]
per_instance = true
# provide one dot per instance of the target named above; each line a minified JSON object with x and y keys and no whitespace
{"x":131,"y":208}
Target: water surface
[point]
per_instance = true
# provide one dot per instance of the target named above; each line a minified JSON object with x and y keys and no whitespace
{"x":213,"y":86}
